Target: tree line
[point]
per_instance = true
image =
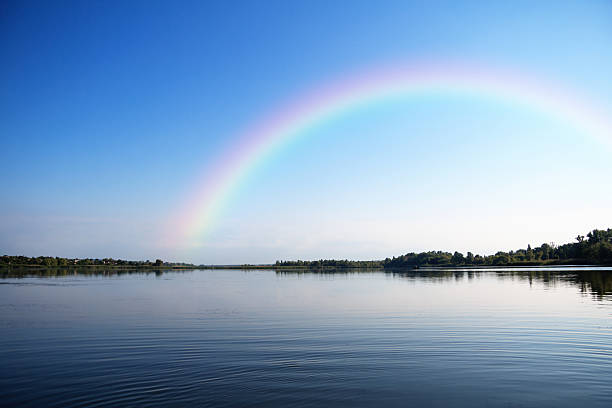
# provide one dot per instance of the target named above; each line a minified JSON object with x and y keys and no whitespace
{"x":50,"y":261}
{"x":594,"y":249}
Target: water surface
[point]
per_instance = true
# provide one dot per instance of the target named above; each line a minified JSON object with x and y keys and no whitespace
{"x":433,"y":338}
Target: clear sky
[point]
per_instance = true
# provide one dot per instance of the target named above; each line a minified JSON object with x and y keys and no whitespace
{"x":110,"y":112}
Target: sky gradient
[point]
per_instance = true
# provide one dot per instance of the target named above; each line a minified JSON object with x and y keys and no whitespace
{"x":112,"y":113}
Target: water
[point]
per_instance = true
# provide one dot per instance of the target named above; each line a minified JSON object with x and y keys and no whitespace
{"x":511,"y":338}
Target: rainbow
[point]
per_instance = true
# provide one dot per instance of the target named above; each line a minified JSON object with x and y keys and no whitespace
{"x":329,"y":101}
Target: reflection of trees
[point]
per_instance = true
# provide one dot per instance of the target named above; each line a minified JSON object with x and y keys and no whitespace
{"x":598,"y":282}
{"x":28,"y":272}
{"x":595,"y":282}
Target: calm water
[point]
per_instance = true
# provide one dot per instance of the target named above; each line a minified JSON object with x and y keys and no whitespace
{"x":536,"y":338}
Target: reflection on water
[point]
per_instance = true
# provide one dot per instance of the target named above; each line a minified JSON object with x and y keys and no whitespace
{"x":34,"y":272}
{"x":591,"y":279}
{"x":104,"y":337}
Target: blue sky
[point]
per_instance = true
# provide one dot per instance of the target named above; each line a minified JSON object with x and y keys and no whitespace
{"x":109,"y":110}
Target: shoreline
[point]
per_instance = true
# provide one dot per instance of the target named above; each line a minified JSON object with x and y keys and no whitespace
{"x":306,"y":268}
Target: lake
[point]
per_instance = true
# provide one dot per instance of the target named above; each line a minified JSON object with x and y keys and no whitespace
{"x":528,"y":337}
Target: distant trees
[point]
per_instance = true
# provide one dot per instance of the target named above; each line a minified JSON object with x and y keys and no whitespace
{"x":594,"y":249}
{"x":457,"y":258}
{"x":329,"y":263}
{"x":49,"y":261}
{"x":529,"y":253}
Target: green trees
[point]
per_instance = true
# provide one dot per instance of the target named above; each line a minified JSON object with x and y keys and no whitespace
{"x":594,"y":249}
{"x":501,"y":258}
{"x":529,"y":253}
{"x":49,"y":261}
{"x":599,"y":253}
{"x":457,"y":258}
